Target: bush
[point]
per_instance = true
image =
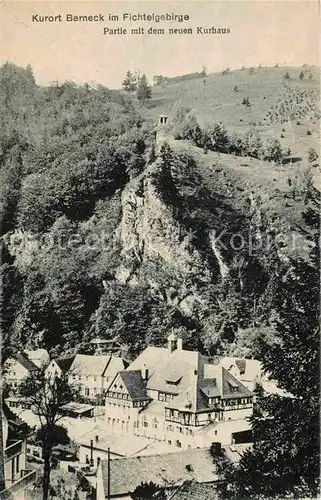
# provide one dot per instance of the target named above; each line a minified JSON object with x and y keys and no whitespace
{"x":313,"y":155}
{"x":272,"y":151}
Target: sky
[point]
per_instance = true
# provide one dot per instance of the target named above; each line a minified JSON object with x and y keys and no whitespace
{"x":261,"y":32}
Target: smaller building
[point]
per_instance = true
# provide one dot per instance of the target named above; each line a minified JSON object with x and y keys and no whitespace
{"x":17,"y":369}
{"x":39,"y":357}
{"x":92,"y":374}
{"x":59,"y":366}
{"x":77,"y":410}
{"x":94,"y":446}
{"x":247,"y":371}
{"x":162,"y":120}
{"x":168,"y":470}
{"x":190,"y":490}
{"x":17,"y":475}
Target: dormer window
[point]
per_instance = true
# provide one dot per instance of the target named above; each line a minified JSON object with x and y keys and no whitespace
{"x":173,"y":380}
{"x":234,"y":386}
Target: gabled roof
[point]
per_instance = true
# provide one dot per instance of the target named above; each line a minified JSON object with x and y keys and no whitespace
{"x":134,"y":384}
{"x":96,"y":366}
{"x":192,"y":401}
{"x":179,"y":367}
{"x":222,"y":384}
{"x":166,"y":470}
{"x":230,"y":383}
{"x":64,"y":363}
{"x":249,"y":369}
{"x":38,"y":356}
{"x":25,"y":362}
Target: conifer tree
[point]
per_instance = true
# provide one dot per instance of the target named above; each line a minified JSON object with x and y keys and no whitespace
{"x":285,"y":459}
{"x":129,"y":82}
{"x":144,"y":91}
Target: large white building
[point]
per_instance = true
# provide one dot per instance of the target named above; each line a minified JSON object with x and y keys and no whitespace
{"x":170,"y":394}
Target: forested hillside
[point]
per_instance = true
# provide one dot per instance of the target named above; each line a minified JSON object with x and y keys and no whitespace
{"x":102,"y":236}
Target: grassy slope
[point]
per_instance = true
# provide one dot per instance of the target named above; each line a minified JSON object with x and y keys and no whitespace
{"x":216,"y":101}
{"x":236,"y":179}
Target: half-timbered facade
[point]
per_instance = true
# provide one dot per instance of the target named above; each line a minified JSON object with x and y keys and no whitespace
{"x":169,"y":393}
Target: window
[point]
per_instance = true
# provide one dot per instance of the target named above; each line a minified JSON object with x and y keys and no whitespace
{"x":86,"y":391}
{"x":144,"y":421}
{"x":155,"y":423}
{"x":178,"y":444}
{"x":215,"y":432}
{"x":95,"y":379}
{"x":169,"y":442}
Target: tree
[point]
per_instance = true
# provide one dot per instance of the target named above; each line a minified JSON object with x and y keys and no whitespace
{"x":148,"y":491}
{"x":287,"y":76}
{"x":285,"y":459}
{"x":144,"y":91}
{"x":272,"y":150}
{"x":301,"y":75}
{"x":130,"y":82}
{"x":46,"y":394}
{"x":313,"y":156}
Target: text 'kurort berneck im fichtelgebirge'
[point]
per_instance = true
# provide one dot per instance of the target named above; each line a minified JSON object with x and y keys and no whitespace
{"x":117,"y":29}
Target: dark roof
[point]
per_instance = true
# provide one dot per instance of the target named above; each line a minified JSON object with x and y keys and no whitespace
{"x":230,"y":381}
{"x":195,"y":491}
{"x":134,"y":384}
{"x":64,"y":363}
{"x":196,"y":399}
{"x":168,"y":469}
{"x":15,"y":424}
{"x":25,"y":362}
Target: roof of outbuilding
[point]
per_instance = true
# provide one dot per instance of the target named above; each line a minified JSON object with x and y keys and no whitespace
{"x":75,"y":407}
{"x":166,"y":470}
{"x":119,"y":444}
{"x":195,"y":491}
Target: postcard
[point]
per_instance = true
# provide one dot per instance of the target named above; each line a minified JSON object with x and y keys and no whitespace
{"x":159,"y":208}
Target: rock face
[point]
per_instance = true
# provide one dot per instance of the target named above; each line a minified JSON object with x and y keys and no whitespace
{"x":149,"y":231}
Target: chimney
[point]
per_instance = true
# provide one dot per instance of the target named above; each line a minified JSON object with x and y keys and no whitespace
{"x":179,"y":344}
{"x":144,"y":372}
{"x":216,"y":448}
{"x":172,"y":342}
